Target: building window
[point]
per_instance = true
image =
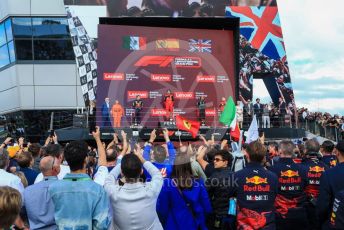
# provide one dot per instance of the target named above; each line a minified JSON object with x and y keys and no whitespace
{"x":24,"y":49}
{"x":50,"y":28}
{"x":22,"y":27}
{"x":11,"y":51}
{"x":2,"y":34}
{"x":8,"y":29}
{"x":4,"y":57}
{"x":53,"y":50}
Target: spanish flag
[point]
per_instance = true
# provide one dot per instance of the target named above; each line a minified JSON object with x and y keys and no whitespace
{"x":170,"y":44}
{"x":188,"y":125}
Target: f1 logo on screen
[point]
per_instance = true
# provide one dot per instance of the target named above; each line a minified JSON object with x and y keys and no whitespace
{"x":165,"y":61}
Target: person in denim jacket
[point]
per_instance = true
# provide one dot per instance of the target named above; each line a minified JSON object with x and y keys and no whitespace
{"x":79,"y":202}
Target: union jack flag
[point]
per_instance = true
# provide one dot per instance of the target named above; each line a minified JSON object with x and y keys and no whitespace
{"x":199,"y":45}
{"x":261,"y":26}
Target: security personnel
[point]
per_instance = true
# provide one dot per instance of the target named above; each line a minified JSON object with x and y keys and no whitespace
{"x":331,"y":184}
{"x":314,"y":169}
{"x":256,"y":191}
{"x":291,"y":198}
{"x":327,"y":151}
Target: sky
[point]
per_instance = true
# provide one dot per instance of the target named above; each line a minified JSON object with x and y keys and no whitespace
{"x":313,"y":32}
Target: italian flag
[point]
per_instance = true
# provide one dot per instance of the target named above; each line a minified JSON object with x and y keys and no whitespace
{"x":228,"y":117}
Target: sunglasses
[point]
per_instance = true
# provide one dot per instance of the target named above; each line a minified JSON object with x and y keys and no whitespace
{"x":218,"y":159}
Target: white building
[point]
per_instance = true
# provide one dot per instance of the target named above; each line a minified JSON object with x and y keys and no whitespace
{"x":37,"y":64}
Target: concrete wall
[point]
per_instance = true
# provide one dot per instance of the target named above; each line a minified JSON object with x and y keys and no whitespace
{"x":40,"y":86}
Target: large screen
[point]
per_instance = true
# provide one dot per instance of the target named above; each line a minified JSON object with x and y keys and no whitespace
{"x":180,"y":64}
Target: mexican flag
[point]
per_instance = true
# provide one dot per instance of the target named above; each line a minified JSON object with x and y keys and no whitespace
{"x":228,"y":117}
{"x":134,"y":43}
{"x":188,"y":125}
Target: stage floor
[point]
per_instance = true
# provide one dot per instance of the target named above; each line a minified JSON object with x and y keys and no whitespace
{"x":142,"y":134}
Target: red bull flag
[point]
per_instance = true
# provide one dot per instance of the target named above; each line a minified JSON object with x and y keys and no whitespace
{"x":228,"y":117}
{"x":188,"y":125}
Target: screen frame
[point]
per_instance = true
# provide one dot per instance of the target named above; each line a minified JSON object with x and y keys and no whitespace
{"x":214,"y":23}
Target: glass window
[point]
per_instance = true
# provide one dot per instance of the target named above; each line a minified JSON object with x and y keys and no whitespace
{"x":53,"y":50}
{"x":50,"y":28}
{"x":11,"y":51}
{"x":2,"y":34}
{"x":22,"y":27}
{"x":8,"y":28}
{"x":24,"y":49}
{"x":4,"y":58}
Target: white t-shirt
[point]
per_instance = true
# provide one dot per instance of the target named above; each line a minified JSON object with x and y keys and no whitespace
{"x":64,"y":170}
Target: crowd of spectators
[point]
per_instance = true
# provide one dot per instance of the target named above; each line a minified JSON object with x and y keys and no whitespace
{"x":199,"y":185}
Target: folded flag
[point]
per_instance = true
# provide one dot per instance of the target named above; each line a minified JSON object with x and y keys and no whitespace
{"x":188,"y":125}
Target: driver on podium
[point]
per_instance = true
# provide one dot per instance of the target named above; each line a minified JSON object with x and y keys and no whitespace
{"x":117,"y":113}
{"x":168,"y":103}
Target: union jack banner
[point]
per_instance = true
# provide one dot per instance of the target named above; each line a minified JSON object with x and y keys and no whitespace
{"x":261,"y":26}
{"x":199,"y":45}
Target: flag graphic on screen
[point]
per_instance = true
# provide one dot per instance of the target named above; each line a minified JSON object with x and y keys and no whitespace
{"x":134,"y":43}
{"x":167,"y":44}
{"x":199,"y":45}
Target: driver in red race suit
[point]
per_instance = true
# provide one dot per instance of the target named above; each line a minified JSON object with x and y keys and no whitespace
{"x":169,"y":103}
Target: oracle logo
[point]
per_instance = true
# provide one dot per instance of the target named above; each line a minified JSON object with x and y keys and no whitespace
{"x":184,"y":95}
{"x":113,"y":76}
{"x":133,"y":94}
{"x":203,"y":78}
{"x":210,"y":112}
{"x":158,"y":112}
{"x":161,"y":77}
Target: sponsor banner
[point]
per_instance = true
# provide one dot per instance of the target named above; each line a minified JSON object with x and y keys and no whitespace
{"x":170,"y":44}
{"x":184,"y":95}
{"x":210,"y":112}
{"x":206,"y":78}
{"x":113,"y":76}
{"x":158,"y":112}
{"x":161,"y":77}
{"x":133,"y":94}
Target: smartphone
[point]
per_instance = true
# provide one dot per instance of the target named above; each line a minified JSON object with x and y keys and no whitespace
{"x":24,"y":145}
{"x":52,"y":133}
{"x":92,"y":127}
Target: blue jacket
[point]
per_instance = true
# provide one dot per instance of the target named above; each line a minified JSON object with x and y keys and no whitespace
{"x":331,"y":182}
{"x":79,"y":203}
{"x":165,"y":167}
{"x":337,"y":215}
{"x":105,"y":111}
{"x":315,"y":168}
{"x":291,"y":198}
{"x":256,"y":193}
{"x":173,"y":210}
{"x":329,"y":160}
